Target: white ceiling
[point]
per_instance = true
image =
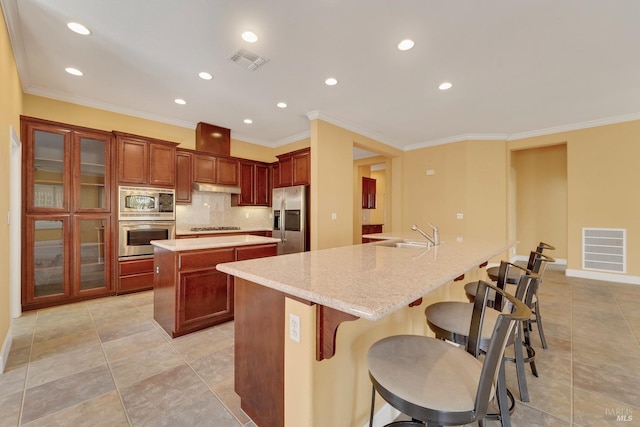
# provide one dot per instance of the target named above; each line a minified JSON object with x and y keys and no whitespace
{"x":518,"y":67}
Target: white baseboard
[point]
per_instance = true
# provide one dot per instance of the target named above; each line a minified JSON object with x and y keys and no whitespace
{"x":559,"y":261}
{"x":4,"y":353}
{"x":607,"y":277}
{"x":387,"y":414}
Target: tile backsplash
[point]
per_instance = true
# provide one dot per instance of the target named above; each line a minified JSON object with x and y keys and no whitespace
{"x":215,"y":210}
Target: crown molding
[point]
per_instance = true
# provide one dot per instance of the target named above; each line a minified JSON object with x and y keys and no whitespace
{"x":316,"y":114}
{"x":290,"y":139}
{"x":12,"y":19}
{"x":575,"y":126}
{"x":457,"y":138}
{"x":109,"y":107}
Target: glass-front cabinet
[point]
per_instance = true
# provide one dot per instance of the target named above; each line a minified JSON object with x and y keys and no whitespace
{"x":67,"y":193}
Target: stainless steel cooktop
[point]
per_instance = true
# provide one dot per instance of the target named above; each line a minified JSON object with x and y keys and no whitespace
{"x":223,"y":228}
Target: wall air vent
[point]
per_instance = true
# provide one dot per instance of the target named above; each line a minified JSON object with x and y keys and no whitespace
{"x":248,"y":59}
{"x":604,"y":249}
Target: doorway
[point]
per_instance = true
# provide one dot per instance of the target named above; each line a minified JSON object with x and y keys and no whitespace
{"x":15,"y":204}
{"x":539,"y":194}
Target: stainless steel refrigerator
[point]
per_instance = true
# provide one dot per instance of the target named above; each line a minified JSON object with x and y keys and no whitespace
{"x":291,"y":218}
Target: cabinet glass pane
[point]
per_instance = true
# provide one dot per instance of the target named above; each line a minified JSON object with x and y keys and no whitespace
{"x":92,"y":173}
{"x":92,"y":251}
{"x":48,"y":170}
{"x":48,"y":258}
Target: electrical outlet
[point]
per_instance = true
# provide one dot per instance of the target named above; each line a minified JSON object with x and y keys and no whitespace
{"x":294,"y":327}
{"x":246,"y":215}
{"x":430,"y":172}
{"x":334,"y":216}
{"x":459,"y":216}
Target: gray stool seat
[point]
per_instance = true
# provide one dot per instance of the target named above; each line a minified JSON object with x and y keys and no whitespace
{"x":409,"y":367}
{"x":455,"y":318}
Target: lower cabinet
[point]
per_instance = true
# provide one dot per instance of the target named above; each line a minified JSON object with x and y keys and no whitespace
{"x":370,"y":229}
{"x":190,"y":294}
{"x":135,"y":275}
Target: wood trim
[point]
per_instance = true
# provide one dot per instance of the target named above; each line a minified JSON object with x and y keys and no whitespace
{"x":328,"y":319}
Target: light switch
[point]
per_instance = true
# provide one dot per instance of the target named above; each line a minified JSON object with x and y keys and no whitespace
{"x":334,"y":216}
{"x":430,"y":172}
{"x":459,"y":216}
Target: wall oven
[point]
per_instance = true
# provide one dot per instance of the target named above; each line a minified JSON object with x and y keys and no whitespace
{"x":145,"y":214}
{"x":136,"y":236}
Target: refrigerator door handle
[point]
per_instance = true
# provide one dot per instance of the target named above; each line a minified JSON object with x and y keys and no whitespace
{"x":283,"y":226}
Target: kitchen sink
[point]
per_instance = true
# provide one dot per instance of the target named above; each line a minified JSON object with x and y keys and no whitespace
{"x":405,"y":244}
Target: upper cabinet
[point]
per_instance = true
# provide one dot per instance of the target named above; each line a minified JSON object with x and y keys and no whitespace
{"x":254,"y":184}
{"x":184,"y":176}
{"x":294,"y":168}
{"x":215,"y":170}
{"x":368,"y":193}
{"x":146,"y":161}
{"x":66,"y":169}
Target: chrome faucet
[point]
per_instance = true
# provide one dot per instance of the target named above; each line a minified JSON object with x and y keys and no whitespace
{"x":435,"y":240}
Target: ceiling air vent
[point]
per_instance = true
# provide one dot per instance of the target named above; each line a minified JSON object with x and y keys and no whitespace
{"x":604,"y":249}
{"x":248,"y":59}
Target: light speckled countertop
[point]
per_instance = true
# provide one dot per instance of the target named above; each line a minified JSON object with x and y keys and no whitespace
{"x":371,"y":280}
{"x":178,"y":245}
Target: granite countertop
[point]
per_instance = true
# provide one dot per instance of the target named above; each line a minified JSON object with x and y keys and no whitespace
{"x":371,"y":280}
{"x":178,"y":245}
{"x":185,"y":231}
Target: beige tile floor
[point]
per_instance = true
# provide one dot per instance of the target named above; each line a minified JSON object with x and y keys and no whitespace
{"x":106,"y":363}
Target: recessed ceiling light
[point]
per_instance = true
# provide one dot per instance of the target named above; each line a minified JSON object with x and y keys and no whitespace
{"x":282,"y":105}
{"x":248,"y":121}
{"x":249,"y":36}
{"x":405,"y":44}
{"x":445,"y":86}
{"x":78,"y":28}
{"x":205,"y":76}
{"x":73,"y":71}
{"x":180,"y":101}
{"x":331,"y":81}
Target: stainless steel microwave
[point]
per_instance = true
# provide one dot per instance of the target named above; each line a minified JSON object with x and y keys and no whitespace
{"x":146,"y":204}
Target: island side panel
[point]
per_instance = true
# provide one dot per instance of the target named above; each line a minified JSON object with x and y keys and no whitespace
{"x":164,"y":289}
{"x":259,"y":352}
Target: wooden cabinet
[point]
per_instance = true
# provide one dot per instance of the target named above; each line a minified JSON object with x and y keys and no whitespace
{"x":135,"y":275}
{"x":275,"y":174}
{"x":294,"y":168}
{"x":67,"y":197}
{"x":184,"y":176}
{"x":370,"y":229}
{"x":145,"y":161}
{"x":190,"y":294}
{"x":368,"y":193}
{"x":254,"y":185}
{"x":215,"y":170}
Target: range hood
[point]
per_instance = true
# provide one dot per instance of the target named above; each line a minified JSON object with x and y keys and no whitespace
{"x":216,"y":188}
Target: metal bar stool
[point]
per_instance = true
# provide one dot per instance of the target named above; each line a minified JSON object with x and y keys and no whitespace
{"x":448,"y":321}
{"x":440,"y":384}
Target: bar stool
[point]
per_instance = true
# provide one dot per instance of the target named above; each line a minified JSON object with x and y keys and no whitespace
{"x":492,"y":272}
{"x":448,"y":321}
{"x":537,"y":263}
{"x":437,"y":383}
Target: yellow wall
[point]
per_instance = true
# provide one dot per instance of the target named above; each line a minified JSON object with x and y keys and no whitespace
{"x":469,"y":178}
{"x":541,"y":198}
{"x":10,"y":108}
{"x":377,"y":214}
{"x":332,"y":183}
{"x":602,"y":172}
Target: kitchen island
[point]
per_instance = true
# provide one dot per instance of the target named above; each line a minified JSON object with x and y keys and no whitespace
{"x":318,"y":377}
{"x":189,"y":293}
